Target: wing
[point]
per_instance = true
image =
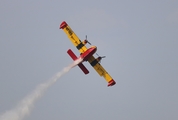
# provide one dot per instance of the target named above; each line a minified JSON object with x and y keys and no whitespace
{"x":101,"y":71}
{"x":73,"y":37}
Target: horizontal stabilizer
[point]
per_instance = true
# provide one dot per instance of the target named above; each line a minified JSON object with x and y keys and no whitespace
{"x":74,"y":57}
{"x":83,"y":68}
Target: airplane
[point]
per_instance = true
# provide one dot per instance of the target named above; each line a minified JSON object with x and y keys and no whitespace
{"x":86,"y":54}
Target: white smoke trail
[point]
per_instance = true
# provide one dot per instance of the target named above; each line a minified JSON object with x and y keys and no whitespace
{"x":24,"y":108}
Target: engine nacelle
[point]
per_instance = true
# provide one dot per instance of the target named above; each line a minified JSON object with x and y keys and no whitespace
{"x":85,"y":42}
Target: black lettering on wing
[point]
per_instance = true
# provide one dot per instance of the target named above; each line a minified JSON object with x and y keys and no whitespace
{"x":69,"y":31}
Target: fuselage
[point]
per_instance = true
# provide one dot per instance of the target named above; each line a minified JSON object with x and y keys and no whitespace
{"x":88,"y":53}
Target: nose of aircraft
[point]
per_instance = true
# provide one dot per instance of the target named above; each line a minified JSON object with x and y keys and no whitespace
{"x":94,"y":47}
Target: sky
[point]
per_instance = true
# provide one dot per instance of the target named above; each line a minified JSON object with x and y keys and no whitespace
{"x":138,"y":37}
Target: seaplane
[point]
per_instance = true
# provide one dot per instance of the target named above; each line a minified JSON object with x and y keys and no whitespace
{"x":87,"y":54}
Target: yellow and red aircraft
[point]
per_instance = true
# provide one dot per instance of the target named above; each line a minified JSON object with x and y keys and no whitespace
{"x":86,"y":54}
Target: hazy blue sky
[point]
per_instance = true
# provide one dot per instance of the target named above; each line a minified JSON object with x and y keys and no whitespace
{"x":138,"y":37}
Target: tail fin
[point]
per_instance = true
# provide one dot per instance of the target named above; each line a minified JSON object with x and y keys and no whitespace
{"x":74,"y":57}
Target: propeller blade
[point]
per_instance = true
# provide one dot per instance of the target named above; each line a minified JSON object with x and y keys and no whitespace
{"x":89,"y":43}
{"x":86,"y":37}
{"x":100,"y":56}
{"x":87,"y":40}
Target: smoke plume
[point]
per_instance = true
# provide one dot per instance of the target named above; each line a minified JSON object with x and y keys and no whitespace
{"x":25,"y":106}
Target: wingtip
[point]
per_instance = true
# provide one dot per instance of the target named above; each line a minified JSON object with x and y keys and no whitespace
{"x":63,"y":25}
{"x":111,"y":83}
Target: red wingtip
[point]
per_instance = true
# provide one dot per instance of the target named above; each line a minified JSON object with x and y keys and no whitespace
{"x":111,"y":83}
{"x":63,"y":25}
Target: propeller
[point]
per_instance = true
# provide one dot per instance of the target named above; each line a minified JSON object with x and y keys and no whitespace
{"x":100,"y":57}
{"x":87,"y":40}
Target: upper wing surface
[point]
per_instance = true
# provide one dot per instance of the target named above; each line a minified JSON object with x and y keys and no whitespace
{"x":73,"y":37}
{"x":100,"y":70}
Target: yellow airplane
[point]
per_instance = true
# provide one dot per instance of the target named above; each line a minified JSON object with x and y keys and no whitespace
{"x":86,"y":54}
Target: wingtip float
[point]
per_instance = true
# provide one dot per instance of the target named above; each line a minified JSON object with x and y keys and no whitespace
{"x":86,"y":54}
{"x":63,"y":25}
